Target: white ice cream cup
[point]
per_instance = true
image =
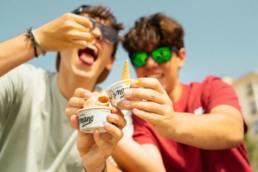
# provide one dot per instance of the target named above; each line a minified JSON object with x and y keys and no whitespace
{"x":93,"y":118}
{"x":116,"y":91}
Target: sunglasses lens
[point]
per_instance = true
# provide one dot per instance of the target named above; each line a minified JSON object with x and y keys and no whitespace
{"x":139,"y":59}
{"x":162,"y":54}
{"x":109,"y":33}
{"x":80,"y":9}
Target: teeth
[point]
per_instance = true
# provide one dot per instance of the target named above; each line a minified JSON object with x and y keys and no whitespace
{"x":158,"y":76}
{"x":94,"y":48}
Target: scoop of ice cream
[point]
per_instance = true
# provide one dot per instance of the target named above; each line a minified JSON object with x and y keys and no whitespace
{"x":97,"y":100}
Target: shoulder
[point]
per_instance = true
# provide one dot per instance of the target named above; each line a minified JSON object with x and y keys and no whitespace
{"x":208,"y":83}
{"x":30,"y":69}
{"x":213,"y":83}
{"x":25,"y":71}
{"x":211,"y":79}
{"x":215,"y":91}
{"x":24,"y":77}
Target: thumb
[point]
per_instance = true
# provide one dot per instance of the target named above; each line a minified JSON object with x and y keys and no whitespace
{"x":146,"y":116}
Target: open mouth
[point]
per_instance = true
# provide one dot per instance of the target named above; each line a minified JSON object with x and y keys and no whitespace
{"x":88,"y":55}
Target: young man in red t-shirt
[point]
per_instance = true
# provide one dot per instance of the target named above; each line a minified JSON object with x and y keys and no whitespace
{"x":197,"y":127}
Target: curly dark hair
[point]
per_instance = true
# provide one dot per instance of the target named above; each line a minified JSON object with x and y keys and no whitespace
{"x":153,"y":31}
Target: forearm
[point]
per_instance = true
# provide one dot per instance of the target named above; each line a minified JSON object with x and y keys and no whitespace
{"x":94,"y":166}
{"x":208,"y":131}
{"x":132,"y":157}
{"x":94,"y":161}
{"x":15,"y":52}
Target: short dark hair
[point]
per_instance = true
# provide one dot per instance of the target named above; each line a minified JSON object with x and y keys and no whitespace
{"x":154,"y":31}
{"x":102,"y":13}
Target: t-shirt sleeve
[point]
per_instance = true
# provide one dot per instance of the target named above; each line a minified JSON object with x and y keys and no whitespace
{"x":143,"y":133}
{"x":217,"y":92}
{"x":11,"y":89}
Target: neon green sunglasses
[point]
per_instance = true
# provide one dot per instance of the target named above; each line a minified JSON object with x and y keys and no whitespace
{"x":160,"y":55}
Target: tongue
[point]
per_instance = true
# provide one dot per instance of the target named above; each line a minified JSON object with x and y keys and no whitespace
{"x":86,"y":58}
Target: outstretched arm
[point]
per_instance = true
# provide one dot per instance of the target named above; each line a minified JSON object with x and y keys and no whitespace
{"x":221,"y":128}
{"x":67,"y":31}
{"x":131,"y":156}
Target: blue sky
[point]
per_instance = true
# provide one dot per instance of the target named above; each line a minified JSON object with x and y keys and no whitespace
{"x":221,"y":35}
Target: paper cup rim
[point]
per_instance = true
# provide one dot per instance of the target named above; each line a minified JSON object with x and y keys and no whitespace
{"x":118,"y":82}
{"x":92,"y":108}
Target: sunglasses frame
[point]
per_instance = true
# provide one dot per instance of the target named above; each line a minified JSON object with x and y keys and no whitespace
{"x":150,"y":54}
{"x":109,"y":34}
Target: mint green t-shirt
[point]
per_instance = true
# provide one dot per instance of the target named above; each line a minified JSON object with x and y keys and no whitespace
{"x":33,"y":126}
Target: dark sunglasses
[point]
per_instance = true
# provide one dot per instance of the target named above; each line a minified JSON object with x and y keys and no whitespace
{"x":160,"y":55}
{"x":108,"y":33}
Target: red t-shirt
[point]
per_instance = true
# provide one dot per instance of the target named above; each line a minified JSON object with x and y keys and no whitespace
{"x":197,"y":98}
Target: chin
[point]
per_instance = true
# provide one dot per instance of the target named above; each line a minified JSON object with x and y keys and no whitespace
{"x":82,"y":73}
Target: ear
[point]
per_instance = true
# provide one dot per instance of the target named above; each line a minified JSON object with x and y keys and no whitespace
{"x":181,"y":56}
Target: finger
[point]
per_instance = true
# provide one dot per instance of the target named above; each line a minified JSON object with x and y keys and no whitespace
{"x":84,"y":21}
{"x":84,"y":142}
{"x":74,"y":121}
{"x":102,"y":143}
{"x":149,"y":117}
{"x":83,"y":93}
{"x":114,"y":131}
{"x":144,"y":94}
{"x":80,"y":36}
{"x":117,"y":111}
{"x":151,"y":83}
{"x":76,"y":102}
{"x":147,"y":106}
{"x":117,"y":120}
{"x":105,"y":142}
{"x":80,"y":44}
{"x":73,"y":25}
{"x":69,"y":111}
{"x":96,"y":32}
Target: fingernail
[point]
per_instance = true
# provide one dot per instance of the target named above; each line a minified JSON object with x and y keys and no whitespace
{"x":107,"y":125}
{"x":87,"y":94}
{"x":127,"y":93}
{"x":137,"y":81}
{"x":135,"y":110}
{"x":126,"y":103}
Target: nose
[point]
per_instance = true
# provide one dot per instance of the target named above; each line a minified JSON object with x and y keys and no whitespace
{"x":151,"y":63}
{"x":96,"y":33}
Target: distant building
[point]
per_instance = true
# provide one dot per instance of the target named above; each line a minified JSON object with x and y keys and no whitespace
{"x":246,"y":88}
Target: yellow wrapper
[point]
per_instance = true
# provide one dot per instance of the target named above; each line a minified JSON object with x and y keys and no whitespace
{"x":125,"y":72}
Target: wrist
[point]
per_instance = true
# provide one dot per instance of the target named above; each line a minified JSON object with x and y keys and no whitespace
{"x":93,"y":168}
{"x":39,"y":38}
{"x":172,"y":124}
{"x":92,"y":164}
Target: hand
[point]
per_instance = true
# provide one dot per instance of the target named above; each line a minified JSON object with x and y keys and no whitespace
{"x":67,"y":31}
{"x":95,"y":148}
{"x":148,"y":100}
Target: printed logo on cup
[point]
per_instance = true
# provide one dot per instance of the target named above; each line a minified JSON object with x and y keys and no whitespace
{"x":116,"y":91}
{"x":93,"y":118}
{"x":86,"y":120}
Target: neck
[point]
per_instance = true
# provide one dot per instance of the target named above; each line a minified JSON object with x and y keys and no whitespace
{"x":68,"y":82}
